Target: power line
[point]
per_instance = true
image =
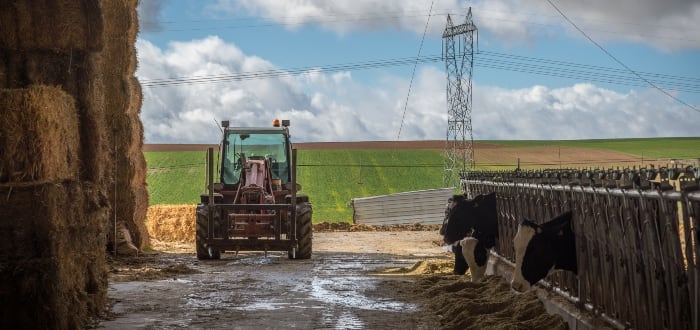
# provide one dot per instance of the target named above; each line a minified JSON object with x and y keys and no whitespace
{"x":374,"y":165}
{"x":583,"y":162}
{"x":343,"y":165}
{"x":486,"y":59}
{"x":620,"y":62}
{"x":415,"y":64}
{"x":603,"y":76}
{"x":274,"y":73}
{"x":585,"y":66}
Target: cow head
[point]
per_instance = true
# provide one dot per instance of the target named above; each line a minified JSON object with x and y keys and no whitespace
{"x":466,"y":215}
{"x":539,"y":249}
{"x":473,"y":225}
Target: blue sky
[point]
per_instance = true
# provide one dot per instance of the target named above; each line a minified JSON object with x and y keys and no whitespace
{"x":536,"y":76}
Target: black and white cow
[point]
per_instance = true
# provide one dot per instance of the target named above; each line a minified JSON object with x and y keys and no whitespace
{"x":471,"y":228}
{"x":541,"y":249}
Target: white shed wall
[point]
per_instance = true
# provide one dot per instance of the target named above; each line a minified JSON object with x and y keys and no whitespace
{"x":423,"y":206}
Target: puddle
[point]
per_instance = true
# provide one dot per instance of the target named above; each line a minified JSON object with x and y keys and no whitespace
{"x":211,"y":300}
{"x":177,"y":280}
{"x":264,"y":306}
{"x":255,"y":261}
{"x":346,"y":320}
{"x":349,"y":293}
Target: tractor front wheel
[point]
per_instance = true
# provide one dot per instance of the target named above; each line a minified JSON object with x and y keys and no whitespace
{"x":304,"y":232}
{"x":204,"y":252}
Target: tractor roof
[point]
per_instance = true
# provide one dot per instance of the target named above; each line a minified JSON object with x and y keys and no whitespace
{"x":260,"y":130}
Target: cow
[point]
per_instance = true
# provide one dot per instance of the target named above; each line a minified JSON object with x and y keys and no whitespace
{"x":471,"y":228}
{"x":542,"y":249}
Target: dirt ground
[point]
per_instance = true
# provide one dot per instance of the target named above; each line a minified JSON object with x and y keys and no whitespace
{"x":354,"y":280}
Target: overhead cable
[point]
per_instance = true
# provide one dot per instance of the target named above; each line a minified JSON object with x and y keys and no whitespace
{"x":620,"y":62}
{"x":415,"y":64}
{"x":485,"y":59}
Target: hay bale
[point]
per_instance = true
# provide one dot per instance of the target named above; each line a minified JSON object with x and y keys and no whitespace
{"x":171,"y":223}
{"x":38,"y":135}
{"x":139,"y":213}
{"x":52,"y":260}
{"x":113,"y":76}
{"x":50,"y":24}
{"x":88,"y":49}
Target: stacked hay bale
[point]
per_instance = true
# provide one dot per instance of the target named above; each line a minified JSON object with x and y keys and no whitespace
{"x":115,"y":82}
{"x":70,"y":155}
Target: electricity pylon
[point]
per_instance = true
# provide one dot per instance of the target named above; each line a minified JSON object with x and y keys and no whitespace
{"x":458,"y":55}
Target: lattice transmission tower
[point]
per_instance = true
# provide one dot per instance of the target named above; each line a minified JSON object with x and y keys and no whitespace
{"x":458,"y":54}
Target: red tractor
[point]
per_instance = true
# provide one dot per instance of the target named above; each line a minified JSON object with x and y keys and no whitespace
{"x":254,"y":205}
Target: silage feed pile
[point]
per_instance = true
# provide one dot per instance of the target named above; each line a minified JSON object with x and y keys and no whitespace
{"x":487,"y":304}
{"x":70,"y":155}
{"x":423,"y":267}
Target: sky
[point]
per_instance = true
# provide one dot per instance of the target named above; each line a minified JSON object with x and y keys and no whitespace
{"x":362,"y":70}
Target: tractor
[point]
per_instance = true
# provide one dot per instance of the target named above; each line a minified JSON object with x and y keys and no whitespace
{"x":254,"y":205}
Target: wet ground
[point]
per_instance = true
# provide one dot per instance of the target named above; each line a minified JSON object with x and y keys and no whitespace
{"x":343,"y":286}
{"x":355,"y":280}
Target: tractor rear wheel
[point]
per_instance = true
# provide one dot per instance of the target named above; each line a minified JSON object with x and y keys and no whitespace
{"x":304,"y":232}
{"x":203,"y":252}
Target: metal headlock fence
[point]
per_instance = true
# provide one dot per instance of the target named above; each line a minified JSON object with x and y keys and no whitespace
{"x":637,"y":238}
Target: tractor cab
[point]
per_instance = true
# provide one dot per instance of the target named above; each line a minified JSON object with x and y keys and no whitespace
{"x":247,"y":152}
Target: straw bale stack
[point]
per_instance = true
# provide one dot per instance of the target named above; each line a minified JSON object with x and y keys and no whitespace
{"x":38,"y":135}
{"x":51,"y":255}
{"x":50,"y":24}
{"x":122,"y":104}
{"x":56,"y":207}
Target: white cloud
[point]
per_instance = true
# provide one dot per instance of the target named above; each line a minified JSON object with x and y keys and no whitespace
{"x":322,"y":107}
{"x":346,"y":15}
{"x":582,"y":111}
{"x":336,"y":107}
{"x":667,"y":25}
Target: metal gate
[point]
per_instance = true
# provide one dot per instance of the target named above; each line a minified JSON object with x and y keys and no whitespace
{"x":637,"y":243}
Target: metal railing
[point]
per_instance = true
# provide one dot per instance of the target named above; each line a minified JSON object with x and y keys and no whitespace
{"x":637,"y":249}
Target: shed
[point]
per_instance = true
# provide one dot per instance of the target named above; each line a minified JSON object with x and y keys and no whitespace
{"x":423,"y":206}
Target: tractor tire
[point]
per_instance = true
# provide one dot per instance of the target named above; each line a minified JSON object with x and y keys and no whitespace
{"x":304,"y":232}
{"x":204,"y":253}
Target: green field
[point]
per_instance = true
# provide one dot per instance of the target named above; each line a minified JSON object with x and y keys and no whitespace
{"x":332,"y":178}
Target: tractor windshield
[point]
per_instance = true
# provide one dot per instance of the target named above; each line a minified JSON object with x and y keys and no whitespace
{"x":270,"y":146}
